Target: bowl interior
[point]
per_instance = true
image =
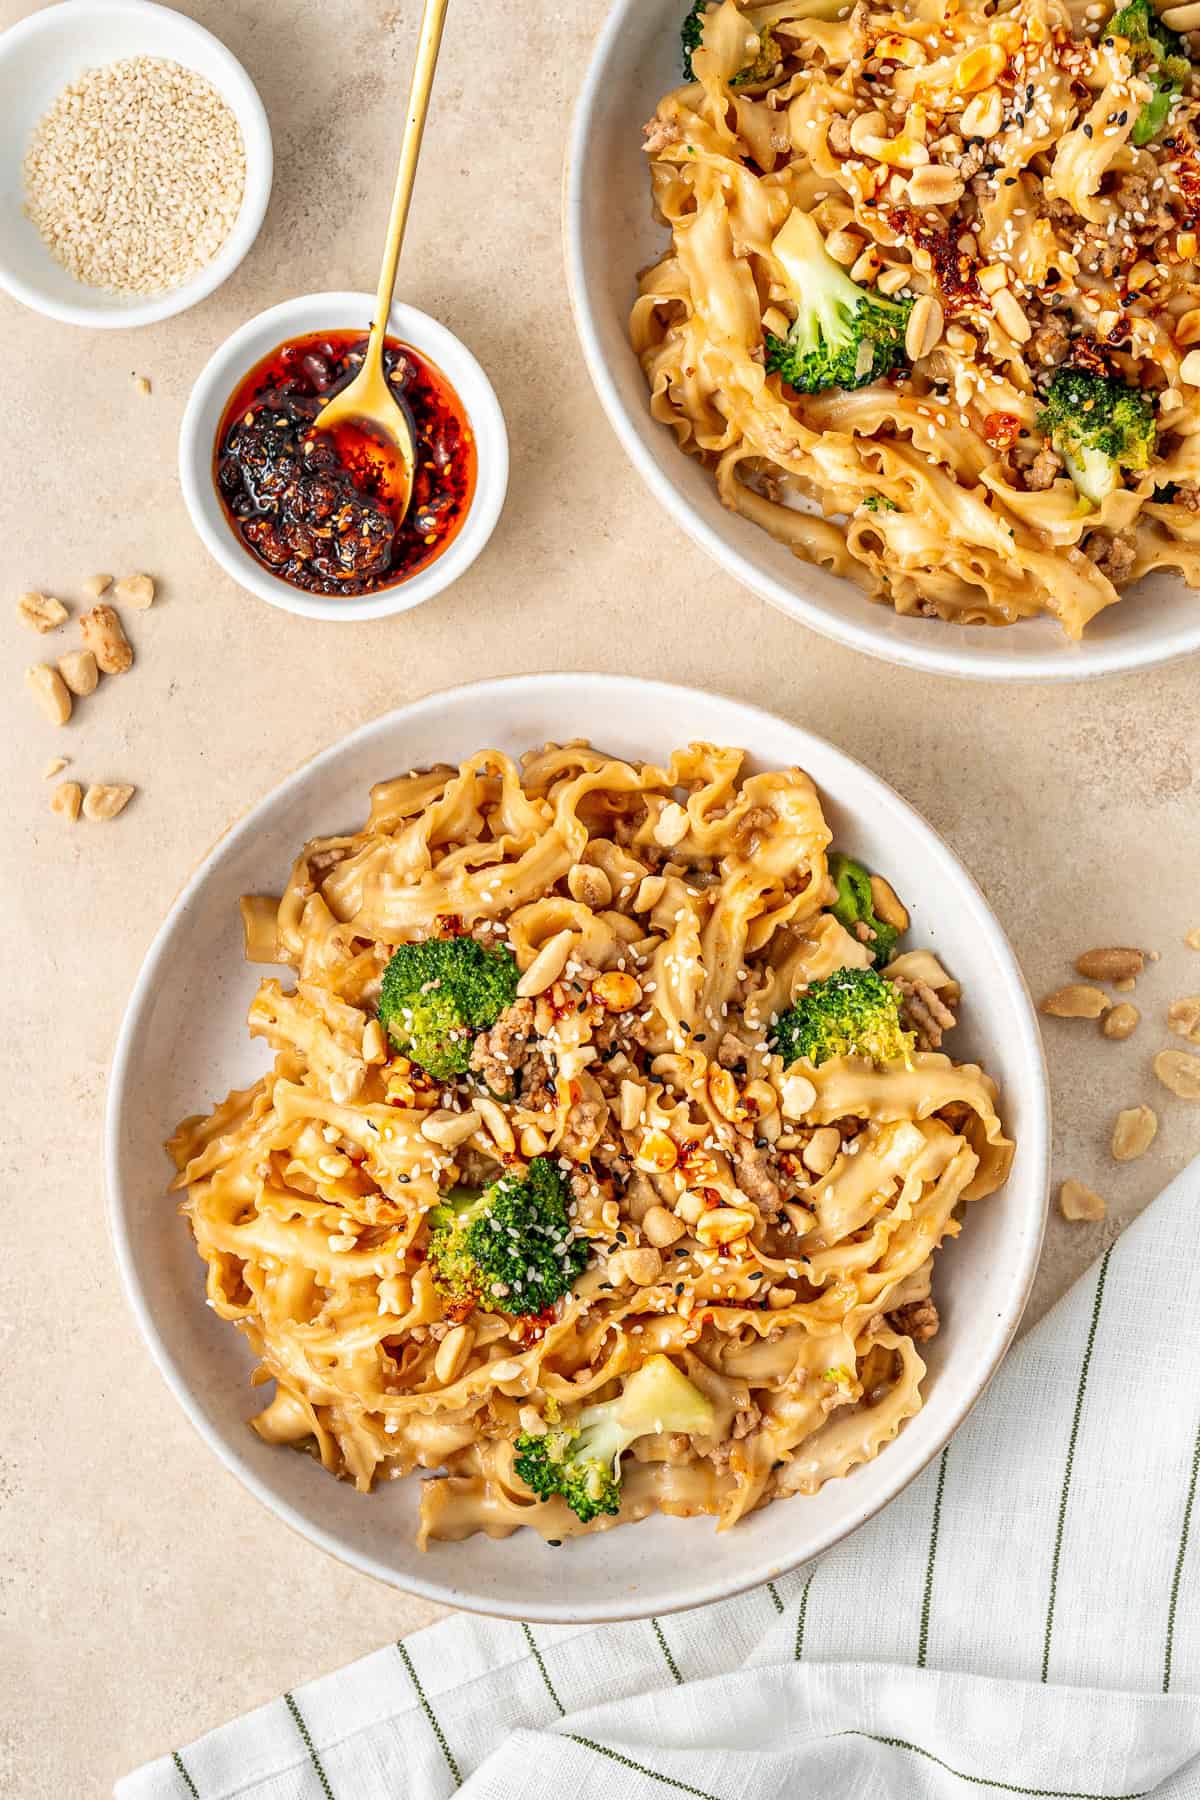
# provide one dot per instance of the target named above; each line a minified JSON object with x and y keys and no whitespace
{"x":609,"y":235}
{"x":195,"y":971}
{"x":336,"y":311}
{"x":41,"y":56}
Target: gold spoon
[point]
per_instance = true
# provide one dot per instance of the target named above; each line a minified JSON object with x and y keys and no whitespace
{"x":368,"y":403}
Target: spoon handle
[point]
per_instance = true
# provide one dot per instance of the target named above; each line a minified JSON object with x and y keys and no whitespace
{"x":433,"y":17}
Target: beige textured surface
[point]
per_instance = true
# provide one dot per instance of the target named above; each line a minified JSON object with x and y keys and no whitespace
{"x":146,"y":1597}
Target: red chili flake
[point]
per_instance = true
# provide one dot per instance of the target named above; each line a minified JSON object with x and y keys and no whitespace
{"x":1085,"y":354}
{"x":531,"y":1327}
{"x":458,"y":1309}
{"x":1187,"y":174}
{"x":954,"y":268}
{"x":1001,"y":430}
{"x":449,"y":925}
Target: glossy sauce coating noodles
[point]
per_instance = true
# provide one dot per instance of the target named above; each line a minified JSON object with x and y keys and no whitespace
{"x":662,"y":919}
{"x":1022,"y":180}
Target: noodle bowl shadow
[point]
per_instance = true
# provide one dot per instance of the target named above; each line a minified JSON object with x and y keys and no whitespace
{"x":609,"y":234}
{"x":195,"y":972}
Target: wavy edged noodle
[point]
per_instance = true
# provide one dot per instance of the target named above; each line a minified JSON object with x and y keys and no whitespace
{"x":677,"y":911}
{"x":985,"y":162}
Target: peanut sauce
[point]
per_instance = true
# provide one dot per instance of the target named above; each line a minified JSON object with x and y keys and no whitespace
{"x":321,"y":509}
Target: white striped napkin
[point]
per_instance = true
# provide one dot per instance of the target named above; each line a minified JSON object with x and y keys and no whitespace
{"x":1024,"y":1619}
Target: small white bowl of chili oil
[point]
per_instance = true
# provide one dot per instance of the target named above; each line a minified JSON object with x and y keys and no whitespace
{"x":306,"y":519}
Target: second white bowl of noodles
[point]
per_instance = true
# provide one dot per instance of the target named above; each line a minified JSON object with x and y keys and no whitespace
{"x":195,"y":972}
{"x":609,"y":234}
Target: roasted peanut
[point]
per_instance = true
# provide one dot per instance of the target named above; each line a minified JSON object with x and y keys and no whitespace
{"x":632,"y":1104}
{"x":1076,"y":1002}
{"x":50,"y":691}
{"x":656,"y":1153}
{"x":821,"y":1151}
{"x":1133,"y":1132}
{"x":105,"y":637}
{"x":135,"y":590}
{"x":1121,"y":1022}
{"x":660,"y":1227}
{"x":104,"y":800}
{"x":650,"y":891}
{"x":453,"y":1352}
{"x":723,"y":1225}
{"x":671,"y":825}
{"x":1179,"y":1073}
{"x":496,"y":1120}
{"x":616,"y":991}
{"x":41,"y":612}
{"x":65,"y":800}
{"x":1078,"y":1202}
{"x":95,"y":585}
{"x":642,"y":1266}
{"x":78,"y":669}
{"x":796,"y":1096}
{"x":724,"y":1095}
{"x":1111,"y":965}
{"x":589,"y":885}
{"x":1183,"y":1017}
{"x":546,"y":966}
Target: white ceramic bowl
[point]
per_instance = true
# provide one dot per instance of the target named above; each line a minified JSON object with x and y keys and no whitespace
{"x":334,"y":312}
{"x":195,"y":972}
{"x":39,"y":56}
{"x":609,"y":234}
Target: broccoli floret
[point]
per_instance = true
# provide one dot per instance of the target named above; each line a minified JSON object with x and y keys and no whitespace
{"x":853,"y":1012}
{"x":582,"y":1460}
{"x":508,"y":1249}
{"x":1158,"y":56}
{"x":691,"y":35}
{"x":880,"y":503}
{"x":438,"y":994}
{"x":855,"y":905}
{"x":844,"y":336}
{"x":1099,"y":427}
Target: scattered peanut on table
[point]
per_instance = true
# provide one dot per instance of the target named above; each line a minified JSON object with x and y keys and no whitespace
{"x":49,"y":690}
{"x":65,"y":800}
{"x":1183,"y":1017}
{"x":1121,"y":1022}
{"x":41,"y":612}
{"x":135,"y":590}
{"x":1179,"y":1073}
{"x":1133,"y":1132}
{"x":1111,"y":964}
{"x":1075,"y":1201}
{"x":104,"y":800}
{"x":79,"y":670}
{"x":104,"y":636}
{"x":1076,"y":1002}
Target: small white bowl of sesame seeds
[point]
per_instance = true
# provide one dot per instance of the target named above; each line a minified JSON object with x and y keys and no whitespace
{"x":135,"y":162}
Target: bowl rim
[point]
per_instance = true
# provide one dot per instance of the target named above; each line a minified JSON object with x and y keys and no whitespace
{"x":227,"y":365}
{"x":1035,"y":1143}
{"x":240,"y":94}
{"x":1062,"y":663}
